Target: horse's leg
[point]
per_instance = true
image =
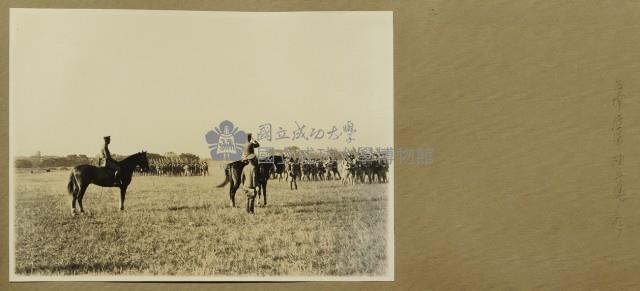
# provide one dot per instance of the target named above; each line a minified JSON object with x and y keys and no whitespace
{"x":72,"y":189}
{"x":259,"y":189}
{"x":83,"y":189}
{"x":259,"y":193}
{"x":232,"y":187}
{"x":253,"y":200}
{"x":73,"y":201}
{"x":238,"y":182}
{"x":123,"y":192}
{"x":232,"y":195}
{"x":264,"y":193}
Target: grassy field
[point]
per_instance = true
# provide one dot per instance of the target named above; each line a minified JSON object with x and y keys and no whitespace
{"x":185,"y":226}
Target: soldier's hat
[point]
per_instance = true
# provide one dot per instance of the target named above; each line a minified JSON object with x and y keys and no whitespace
{"x":107,"y":137}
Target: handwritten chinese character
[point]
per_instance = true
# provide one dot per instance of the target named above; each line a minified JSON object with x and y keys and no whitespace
{"x":282,"y":134}
{"x":332,"y":133}
{"x":349,"y":129}
{"x":299,"y":132}
{"x":617,"y":161}
{"x":264,"y":132}
{"x":316,"y":133}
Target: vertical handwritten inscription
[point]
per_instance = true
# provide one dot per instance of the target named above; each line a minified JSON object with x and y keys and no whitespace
{"x":618,"y":157}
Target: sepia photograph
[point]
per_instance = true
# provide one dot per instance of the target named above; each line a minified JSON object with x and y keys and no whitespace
{"x":160,"y":145}
{"x":332,"y":145}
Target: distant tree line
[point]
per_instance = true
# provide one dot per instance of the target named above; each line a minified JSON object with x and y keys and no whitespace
{"x":53,"y":161}
{"x":74,"y":160}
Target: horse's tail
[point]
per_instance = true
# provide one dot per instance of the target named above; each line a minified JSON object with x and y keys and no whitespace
{"x":227,"y":176}
{"x":72,"y":183}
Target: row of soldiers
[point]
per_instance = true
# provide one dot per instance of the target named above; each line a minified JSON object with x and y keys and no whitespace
{"x":365,"y":170}
{"x":177,"y":167}
{"x":350,"y":170}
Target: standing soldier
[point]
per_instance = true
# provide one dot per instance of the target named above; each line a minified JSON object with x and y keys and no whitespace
{"x":205,"y":168}
{"x":251,"y":170}
{"x":108,"y":162}
{"x":293,"y":167}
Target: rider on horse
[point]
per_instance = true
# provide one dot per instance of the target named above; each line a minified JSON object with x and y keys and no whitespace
{"x":108,"y":162}
{"x":249,"y":156}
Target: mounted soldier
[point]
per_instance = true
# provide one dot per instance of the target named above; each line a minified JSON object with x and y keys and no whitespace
{"x":250,"y":173}
{"x":249,"y":157}
{"x":108,"y":162}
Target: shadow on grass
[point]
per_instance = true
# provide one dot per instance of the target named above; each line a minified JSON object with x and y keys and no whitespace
{"x":185,"y":207}
{"x":320,"y":203}
{"x":79,"y":268}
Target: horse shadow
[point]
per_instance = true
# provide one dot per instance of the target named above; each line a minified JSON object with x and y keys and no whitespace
{"x":188,"y":207}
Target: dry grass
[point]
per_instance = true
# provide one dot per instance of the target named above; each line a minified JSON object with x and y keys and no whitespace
{"x":184,"y":226}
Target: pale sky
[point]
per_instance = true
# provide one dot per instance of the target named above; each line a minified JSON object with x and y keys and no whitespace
{"x":160,"y":80}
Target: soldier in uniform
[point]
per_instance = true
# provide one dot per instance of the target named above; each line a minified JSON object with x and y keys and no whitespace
{"x":249,"y":156}
{"x":108,"y":162}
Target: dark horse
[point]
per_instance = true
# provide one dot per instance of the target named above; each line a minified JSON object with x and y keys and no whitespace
{"x":234,"y":176}
{"x":83,"y":175}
